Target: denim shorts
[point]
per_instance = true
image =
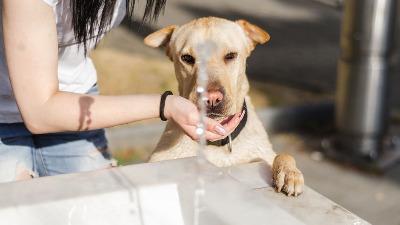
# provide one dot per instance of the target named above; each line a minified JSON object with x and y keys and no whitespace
{"x":51,"y":154}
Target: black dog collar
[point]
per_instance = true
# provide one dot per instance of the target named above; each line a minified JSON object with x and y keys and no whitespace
{"x":228,"y":140}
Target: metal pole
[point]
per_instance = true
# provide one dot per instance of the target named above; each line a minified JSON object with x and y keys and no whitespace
{"x":363,"y":74}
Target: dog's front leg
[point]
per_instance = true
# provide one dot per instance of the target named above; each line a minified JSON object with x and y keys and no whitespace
{"x":286,"y":175}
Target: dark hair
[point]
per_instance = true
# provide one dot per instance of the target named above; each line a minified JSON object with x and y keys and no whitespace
{"x":91,"y":15}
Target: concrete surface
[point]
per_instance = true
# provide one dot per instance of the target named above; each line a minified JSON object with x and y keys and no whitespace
{"x":302,"y":53}
{"x":374,"y":196}
{"x":164,"y":193}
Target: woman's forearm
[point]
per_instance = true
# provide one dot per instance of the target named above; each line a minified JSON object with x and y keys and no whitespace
{"x":76,"y":112}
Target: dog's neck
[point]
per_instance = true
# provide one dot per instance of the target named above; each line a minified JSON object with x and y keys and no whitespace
{"x":228,"y":140}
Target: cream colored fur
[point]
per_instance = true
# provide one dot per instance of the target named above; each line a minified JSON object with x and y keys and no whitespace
{"x":252,"y":144}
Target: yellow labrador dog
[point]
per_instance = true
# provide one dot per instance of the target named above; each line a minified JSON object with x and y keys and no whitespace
{"x":228,"y":89}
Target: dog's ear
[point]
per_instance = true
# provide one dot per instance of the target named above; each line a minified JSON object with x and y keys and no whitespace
{"x":254,"y":33}
{"x":161,"y":38}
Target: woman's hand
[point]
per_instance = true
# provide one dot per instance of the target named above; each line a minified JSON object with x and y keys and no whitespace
{"x":186,"y":115}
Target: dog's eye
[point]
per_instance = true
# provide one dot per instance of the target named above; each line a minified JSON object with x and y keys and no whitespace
{"x":230,"y":56}
{"x":188,"y":59}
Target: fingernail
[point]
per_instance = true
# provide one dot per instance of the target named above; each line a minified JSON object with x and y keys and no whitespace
{"x":242,"y":115}
{"x":220,"y":130}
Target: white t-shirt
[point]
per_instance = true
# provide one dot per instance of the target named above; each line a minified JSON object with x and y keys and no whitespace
{"x":76,"y":72}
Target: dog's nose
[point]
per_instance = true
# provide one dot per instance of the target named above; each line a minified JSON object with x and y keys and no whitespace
{"x":214,"y":98}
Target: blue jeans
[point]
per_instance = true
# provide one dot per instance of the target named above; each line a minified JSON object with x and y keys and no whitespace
{"x":50,"y":154}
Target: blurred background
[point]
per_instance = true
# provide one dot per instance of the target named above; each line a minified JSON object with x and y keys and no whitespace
{"x":293,"y":86}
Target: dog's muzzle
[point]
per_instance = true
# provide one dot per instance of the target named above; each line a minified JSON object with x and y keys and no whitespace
{"x":228,"y":140}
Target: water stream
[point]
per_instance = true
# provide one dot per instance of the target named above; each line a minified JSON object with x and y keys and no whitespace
{"x":205,"y":51}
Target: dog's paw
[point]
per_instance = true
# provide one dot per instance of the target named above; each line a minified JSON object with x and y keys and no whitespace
{"x":287,"y":177}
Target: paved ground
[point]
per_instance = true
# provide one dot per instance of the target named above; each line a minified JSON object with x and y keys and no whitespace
{"x":302,"y":54}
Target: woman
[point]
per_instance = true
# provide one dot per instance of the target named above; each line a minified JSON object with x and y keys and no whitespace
{"x":51,"y":120}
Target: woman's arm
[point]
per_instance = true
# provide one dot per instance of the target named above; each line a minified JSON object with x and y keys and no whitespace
{"x":31,"y":50}
{"x":31,"y":47}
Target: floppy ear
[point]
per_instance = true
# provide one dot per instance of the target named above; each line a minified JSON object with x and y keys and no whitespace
{"x":253,"y":33}
{"x":160,"y":38}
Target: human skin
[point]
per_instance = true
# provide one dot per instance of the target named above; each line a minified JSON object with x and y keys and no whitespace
{"x":31,"y":48}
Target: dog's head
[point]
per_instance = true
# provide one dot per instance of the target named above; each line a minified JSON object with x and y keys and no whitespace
{"x":227,"y":82}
